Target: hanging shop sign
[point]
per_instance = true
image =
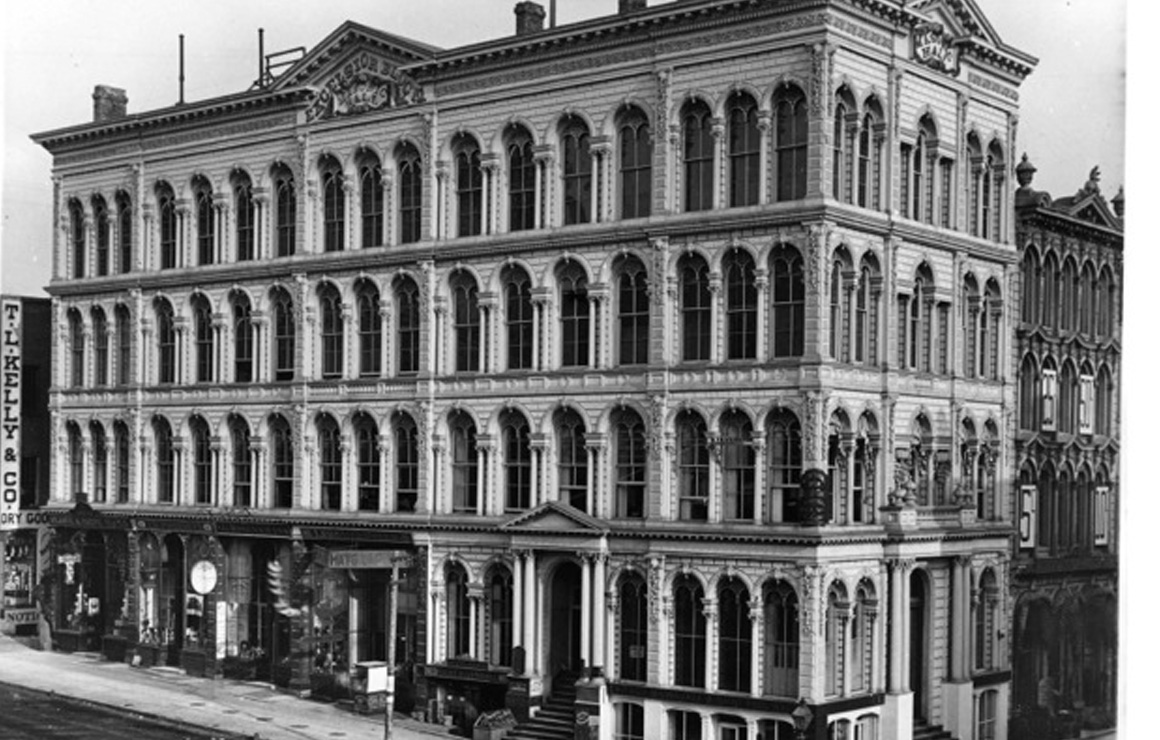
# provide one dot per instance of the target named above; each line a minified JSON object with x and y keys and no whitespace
{"x":10,"y":416}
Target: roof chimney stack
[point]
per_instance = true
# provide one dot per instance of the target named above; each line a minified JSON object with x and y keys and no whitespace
{"x":529,"y":18}
{"x":108,"y":103}
{"x":630,"y":6}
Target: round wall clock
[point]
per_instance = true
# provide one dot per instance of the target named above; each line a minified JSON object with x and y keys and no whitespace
{"x":203,"y":576}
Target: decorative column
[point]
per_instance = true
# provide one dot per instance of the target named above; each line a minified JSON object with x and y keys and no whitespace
{"x":717,"y":130}
{"x":217,"y":470}
{"x":474,"y":598}
{"x":758,"y":444}
{"x":601,"y":639}
{"x":710,"y":612}
{"x":960,"y":618}
{"x":897,"y":680}
{"x":585,"y":615}
{"x":260,"y":497}
{"x":529,"y":620}
{"x":761,"y":280}
{"x":717,"y":332}
{"x":764,"y":128}
{"x":756,"y":643}
{"x":517,"y":558}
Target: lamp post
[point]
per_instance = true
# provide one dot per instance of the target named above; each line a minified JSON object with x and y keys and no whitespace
{"x":802,"y":717}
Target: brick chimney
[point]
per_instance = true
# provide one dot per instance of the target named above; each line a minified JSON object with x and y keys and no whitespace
{"x":630,"y":6}
{"x":108,"y":103}
{"x":529,"y":18}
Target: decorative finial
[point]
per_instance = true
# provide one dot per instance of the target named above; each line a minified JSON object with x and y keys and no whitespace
{"x":1025,"y":172}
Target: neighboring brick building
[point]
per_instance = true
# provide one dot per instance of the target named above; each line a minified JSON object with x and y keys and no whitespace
{"x":1066,"y":573}
{"x":666,"y":354}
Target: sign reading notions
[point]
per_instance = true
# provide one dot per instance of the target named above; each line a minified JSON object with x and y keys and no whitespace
{"x":10,"y":416}
{"x":362,"y":558}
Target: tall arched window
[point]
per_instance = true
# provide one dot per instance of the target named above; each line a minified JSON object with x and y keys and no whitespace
{"x":744,"y":150}
{"x":370,"y":182}
{"x":692,"y":467}
{"x":990,"y":328}
{"x":789,"y":295}
{"x":571,"y":460}
{"x":740,"y":305}
{"x":76,"y":214}
{"x":166,"y":343}
{"x":839,"y":318}
{"x":205,"y":226}
{"x":636,"y":153}
{"x":862,"y":638}
{"x":574,"y":315}
{"x":458,"y":613}
{"x":791,"y":138}
{"x":332,"y":330}
{"x":630,"y":464}
{"x":781,"y":639}
{"x":1068,"y":318}
{"x":870,"y":139}
{"x":1028,"y":394}
{"x":1106,"y":326}
{"x":282,"y":463}
{"x":1046,"y":508}
{"x":499,"y":608}
{"x":241,"y":462}
{"x":836,"y":616}
{"x":330,"y":463}
{"x":468,"y":333}
{"x":100,"y":347}
{"x":734,"y":662}
{"x":784,"y":452}
{"x":697,"y":135}
{"x":519,"y":316}
{"x":408,"y":323}
{"x":521,"y":180}
{"x":696,"y":309}
{"x":866,"y":311}
{"x":633,"y":628}
{"x":124,"y":344}
{"x":841,"y":173}
{"x":367,"y":443}
{"x":406,"y":463}
{"x":632,"y":303}
{"x":1050,"y":290}
{"x":688,"y":632}
{"x":167,"y":226}
{"x":972,"y":313}
{"x":121,"y":460}
{"x":165,"y":457}
{"x":370,"y":331}
{"x":737,"y":467}
{"x":243,"y":339}
{"x":1087,"y":290}
{"x":1104,"y":399}
{"x":124,"y":233}
{"x":284,"y":334}
{"x":101,"y":227}
{"x":244,"y":231}
{"x":1032,"y":278}
{"x":464,"y":463}
{"x":1068,"y":393}
{"x":333,"y":205}
{"x":574,"y":141}
{"x":468,"y":186}
{"x":986,"y":620}
{"x":285,"y":212}
{"x":203,"y":340}
{"x":517,"y":462}
{"x":202,"y":462}
{"x":100,"y":462}
{"x":410,"y":193}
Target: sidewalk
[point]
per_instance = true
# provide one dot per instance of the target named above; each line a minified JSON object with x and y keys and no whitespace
{"x":234,"y":707}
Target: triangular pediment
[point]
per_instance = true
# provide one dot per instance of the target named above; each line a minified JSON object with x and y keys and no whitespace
{"x":553,"y":516}
{"x":1093,"y":209}
{"x":962,"y":19}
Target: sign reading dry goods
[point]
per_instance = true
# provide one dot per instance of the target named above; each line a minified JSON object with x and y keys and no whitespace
{"x":935,"y":48}
{"x":10,"y":417}
{"x":364,"y":83}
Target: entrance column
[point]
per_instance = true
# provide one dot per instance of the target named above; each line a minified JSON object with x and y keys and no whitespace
{"x":518,"y":600}
{"x":896,"y":628}
{"x":473,"y":599}
{"x":530,"y":650}
{"x":585,"y":615}
{"x":599,"y":613}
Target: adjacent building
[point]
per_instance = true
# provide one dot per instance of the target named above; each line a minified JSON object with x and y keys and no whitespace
{"x":655,"y":372}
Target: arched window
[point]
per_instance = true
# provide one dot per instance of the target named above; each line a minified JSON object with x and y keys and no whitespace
{"x":332,"y":331}
{"x":862,"y":638}
{"x":993,"y":193}
{"x":458,"y":613}
{"x":789,"y":296}
{"x":204,"y":210}
{"x":1068,"y":392}
{"x":734,"y":656}
{"x":574,"y":315}
{"x":76,"y":214}
{"x":870,"y":156}
{"x":282,"y":463}
{"x":989,"y":330}
{"x":740,"y":305}
{"x":1028,"y":394}
{"x":1045,"y":508}
{"x":165,"y":456}
{"x":370,"y":331}
{"x":692,"y":467}
{"x":468,"y":186}
{"x":202,"y":462}
{"x":124,"y":344}
{"x":696,"y":309}
{"x":1087,"y":302}
{"x":737,"y":467}
{"x":100,"y":347}
{"x":916,"y":319}
{"x":285,"y":212}
{"x":1107,"y":304}
{"x":632,"y":303}
{"x":1049,"y":391}
{"x":370,"y":182}
{"x":410,"y":193}
{"x":499,"y":609}
{"x":841,"y":174}
{"x":521,"y":180}
{"x":571,"y":460}
{"x":1068,"y":289}
{"x":781,"y":639}
{"x":986,"y":614}
{"x":464,"y":463}
{"x":330,"y":462}
{"x":408,"y":323}
{"x":688,"y":632}
{"x":76,"y":340}
{"x":101,"y":226}
{"x":242,"y":464}
{"x":630,"y":464}
{"x":685,"y":725}
{"x":866,"y":311}
{"x":243,"y":339}
{"x":124,"y":233}
{"x":1104,"y":399}
{"x":791,"y":138}
{"x":167,"y":226}
{"x":836,"y":617}
{"x":284,"y":334}
{"x":1031,"y":284}
{"x":100,"y":462}
{"x":244,"y":217}
{"x":838,"y":301}
{"x":574,"y":141}
{"x":633,"y":628}
{"x":519,"y":315}
{"x":203,"y":349}
{"x":636,"y":153}
{"x":517,"y":462}
{"x":166,"y":344}
{"x":784,"y":451}
{"x":333,"y":205}
{"x":744,"y":150}
{"x":468,"y":334}
{"x":76,"y":461}
{"x":697,"y":134}
{"x":972,"y":318}
{"x":367,"y":443}
{"x":406,"y":463}
{"x":1051,"y":295}
{"x":121,"y":460}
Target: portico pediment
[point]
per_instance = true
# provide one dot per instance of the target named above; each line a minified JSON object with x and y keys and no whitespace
{"x":554,"y":517}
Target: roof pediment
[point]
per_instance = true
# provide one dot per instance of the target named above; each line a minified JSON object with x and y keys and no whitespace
{"x":554,"y":517}
{"x":962,"y":19}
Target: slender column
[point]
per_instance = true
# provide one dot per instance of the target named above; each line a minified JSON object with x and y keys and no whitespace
{"x":718,"y":133}
{"x":532,"y":667}
{"x":518,"y":599}
{"x":593,"y":315}
{"x":763,"y":309}
{"x":897,"y":629}
{"x":960,"y":618}
{"x":585,"y":613}
{"x":764,"y":126}
{"x":710,"y":611}
{"x":757,"y":633}
{"x":484,"y":326}
{"x":473,"y":624}
{"x":715,"y":298}
{"x":215,"y":480}
{"x":600,"y":636}
{"x":537,"y":194}
{"x":590,"y":504}
{"x":847,"y":446}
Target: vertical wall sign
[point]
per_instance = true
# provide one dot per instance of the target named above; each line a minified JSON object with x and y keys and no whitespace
{"x":10,"y":416}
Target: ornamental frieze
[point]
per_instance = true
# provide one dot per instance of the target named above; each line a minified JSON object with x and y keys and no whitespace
{"x":365,"y":83}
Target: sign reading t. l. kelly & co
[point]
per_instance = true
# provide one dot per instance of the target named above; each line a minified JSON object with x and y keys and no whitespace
{"x":10,"y":338}
{"x":365,"y":83}
{"x":935,"y":48}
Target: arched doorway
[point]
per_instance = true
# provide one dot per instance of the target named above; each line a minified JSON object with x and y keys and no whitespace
{"x":918,"y":642}
{"x":171,"y":605}
{"x":564,"y":620}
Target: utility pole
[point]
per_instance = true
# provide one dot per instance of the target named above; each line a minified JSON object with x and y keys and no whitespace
{"x":392,"y":627}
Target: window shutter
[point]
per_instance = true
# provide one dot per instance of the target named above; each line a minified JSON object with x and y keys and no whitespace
{"x":1101,"y":517}
{"x":1027,"y":517}
{"x":1086,"y":403}
{"x":1049,"y":395}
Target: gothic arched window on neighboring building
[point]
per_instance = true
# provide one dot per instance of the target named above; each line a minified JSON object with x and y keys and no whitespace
{"x":333,"y":204}
{"x":688,"y":632}
{"x":577,"y":170}
{"x":410,"y":170}
{"x":371,"y":199}
{"x":744,"y":150}
{"x":636,"y":154}
{"x":791,"y":142}
{"x":697,"y":151}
